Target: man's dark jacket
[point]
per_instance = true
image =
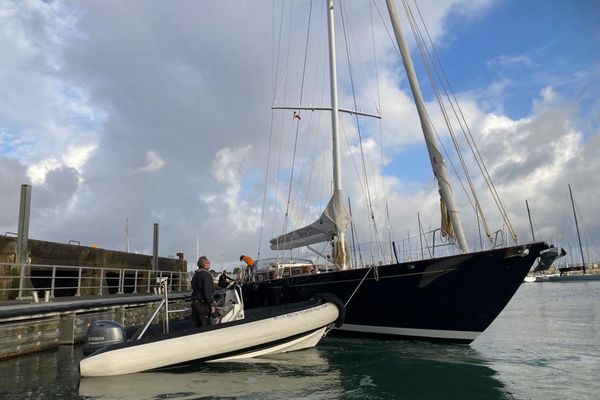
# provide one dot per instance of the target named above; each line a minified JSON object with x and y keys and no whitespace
{"x":203,"y":286}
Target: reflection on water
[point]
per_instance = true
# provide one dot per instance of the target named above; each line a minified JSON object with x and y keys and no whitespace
{"x":545,"y":345}
{"x":408,"y":370}
{"x":297,"y":374}
{"x":47,"y":375}
{"x":339,"y":368}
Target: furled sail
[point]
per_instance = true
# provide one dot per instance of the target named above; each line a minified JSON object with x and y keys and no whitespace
{"x":335,"y":218}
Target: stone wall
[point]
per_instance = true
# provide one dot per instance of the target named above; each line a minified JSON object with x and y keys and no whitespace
{"x":44,"y":331}
{"x":51,"y":253}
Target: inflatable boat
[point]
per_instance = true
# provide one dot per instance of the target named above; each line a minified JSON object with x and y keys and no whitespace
{"x":237,"y":334}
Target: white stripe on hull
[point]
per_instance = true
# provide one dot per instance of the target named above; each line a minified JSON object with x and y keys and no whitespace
{"x":424,"y":333}
{"x":304,"y":342}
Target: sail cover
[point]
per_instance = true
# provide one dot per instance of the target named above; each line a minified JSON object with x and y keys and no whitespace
{"x":334,"y":219}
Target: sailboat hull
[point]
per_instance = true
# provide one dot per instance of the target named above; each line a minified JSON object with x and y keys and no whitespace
{"x":448,"y":299}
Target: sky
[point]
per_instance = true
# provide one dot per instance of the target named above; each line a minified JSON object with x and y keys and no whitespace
{"x":142,"y":112}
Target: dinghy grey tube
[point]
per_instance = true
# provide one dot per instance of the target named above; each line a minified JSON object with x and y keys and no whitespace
{"x":278,"y":333}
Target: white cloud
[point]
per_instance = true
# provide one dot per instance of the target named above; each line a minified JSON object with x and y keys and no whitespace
{"x":154,"y":162}
{"x":77,"y":156}
{"x":76,"y":97}
{"x":74,"y":157}
{"x":510,"y":61}
{"x":37,"y":172}
{"x":229,"y":167}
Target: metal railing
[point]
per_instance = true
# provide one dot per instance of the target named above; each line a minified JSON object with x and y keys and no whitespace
{"x":65,"y":281}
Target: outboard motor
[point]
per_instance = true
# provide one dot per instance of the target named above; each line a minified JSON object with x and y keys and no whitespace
{"x":101,"y":334}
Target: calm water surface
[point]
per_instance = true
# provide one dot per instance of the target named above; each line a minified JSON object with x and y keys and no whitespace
{"x":545,"y":345}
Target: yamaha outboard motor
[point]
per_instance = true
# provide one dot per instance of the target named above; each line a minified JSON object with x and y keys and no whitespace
{"x":101,"y":334}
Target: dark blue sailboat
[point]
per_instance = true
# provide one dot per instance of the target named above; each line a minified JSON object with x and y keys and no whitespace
{"x":449,"y":299}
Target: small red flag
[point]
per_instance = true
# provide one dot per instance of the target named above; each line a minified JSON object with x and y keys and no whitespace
{"x":297,"y":116}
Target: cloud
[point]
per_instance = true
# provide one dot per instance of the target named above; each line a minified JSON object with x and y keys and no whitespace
{"x":510,"y":61}
{"x":154,"y":162}
{"x":169,"y":121}
{"x":75,"y":157}
{"x":228,"y":169}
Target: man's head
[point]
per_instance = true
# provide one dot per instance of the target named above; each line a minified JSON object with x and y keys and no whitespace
{"x":203,"y":262}
{"x":242,"y":257}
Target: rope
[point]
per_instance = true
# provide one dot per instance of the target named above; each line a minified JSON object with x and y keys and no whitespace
{"x":360,"y":141}
{"x":275,"y":68}
{"x":443,"y":78}
{"x":275,"y":205}
{"x":297,"y":122}
{"x":358,"y":286}
{"x":426,"y":56}
{"x":381,"y":155}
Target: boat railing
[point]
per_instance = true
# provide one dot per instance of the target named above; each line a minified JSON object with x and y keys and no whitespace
{"x":162,"y":286}
{"x":405,"y":250}
{"x":363,"y":255}
{"x":22,"y":281}
{"x":274,"y":268}
{"x":425,"y":246}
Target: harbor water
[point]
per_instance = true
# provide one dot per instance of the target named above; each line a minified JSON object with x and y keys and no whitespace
{"x":545,"y":345}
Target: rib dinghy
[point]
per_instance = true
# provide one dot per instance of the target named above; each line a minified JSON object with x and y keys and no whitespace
{"x":239,"y":335}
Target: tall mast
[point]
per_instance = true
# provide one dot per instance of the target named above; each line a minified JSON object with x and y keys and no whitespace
{"x":530,"y":223}
{"x":435,"y":157}
{"x":337,"y":175}
{"x":577,"y":228}
{"x":127,"y":235}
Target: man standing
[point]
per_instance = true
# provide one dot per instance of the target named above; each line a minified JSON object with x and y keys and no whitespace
{"x":203,"y":300}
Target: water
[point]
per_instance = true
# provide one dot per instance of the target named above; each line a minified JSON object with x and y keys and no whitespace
{"x":545,"y":345}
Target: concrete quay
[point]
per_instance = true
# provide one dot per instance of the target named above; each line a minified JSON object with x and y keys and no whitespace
{"x":29,"y":328}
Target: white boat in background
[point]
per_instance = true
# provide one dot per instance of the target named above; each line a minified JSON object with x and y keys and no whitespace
{"x":578,"y":272}
{"x":259,"y":332}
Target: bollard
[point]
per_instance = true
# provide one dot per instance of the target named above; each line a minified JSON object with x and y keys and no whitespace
{"x":36,"y":297}
{"x":46,"y":296}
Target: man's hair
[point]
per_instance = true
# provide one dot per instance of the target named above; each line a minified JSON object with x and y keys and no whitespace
{"x":202,"y":260}
{"x":242,"y":257}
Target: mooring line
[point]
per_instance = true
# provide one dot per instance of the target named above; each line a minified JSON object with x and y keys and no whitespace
{"x":357,"y":286}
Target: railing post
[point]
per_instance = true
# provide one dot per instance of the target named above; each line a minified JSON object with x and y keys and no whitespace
{"x":149,"y":276}
{"x":433,"y":243}
{"x":121,"y":279}
{"x":53,"y":280}
{"x":21,"y":279}
{"x":101,"y":281}
{"x":135,"y":282}
{"x":180,"y":276}
{"x":79,"y":283}
{"x":23,"y":234}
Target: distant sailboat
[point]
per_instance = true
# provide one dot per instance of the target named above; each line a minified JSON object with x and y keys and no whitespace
{"x":448,"y":299}
{"x":579,"y":272}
